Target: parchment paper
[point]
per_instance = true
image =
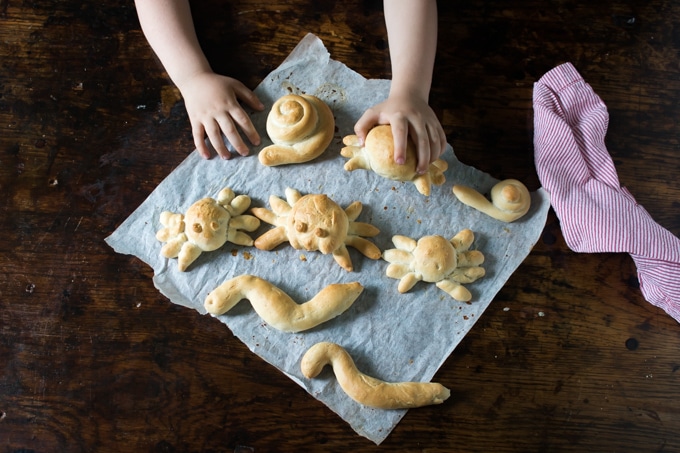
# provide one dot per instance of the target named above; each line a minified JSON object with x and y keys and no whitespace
{"x":391,"y":336}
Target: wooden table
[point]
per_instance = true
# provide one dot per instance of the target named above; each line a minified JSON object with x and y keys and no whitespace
{"x":568,"y":357}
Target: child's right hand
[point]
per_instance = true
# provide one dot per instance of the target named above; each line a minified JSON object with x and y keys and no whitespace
{"x":212,"y":102}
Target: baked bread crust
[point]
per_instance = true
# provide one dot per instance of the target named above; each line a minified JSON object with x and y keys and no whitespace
{"x":433,"y":259}
{"x":315,"y":222}
{"x":208,"y":224}
{"x":300,"y":127}
{"x":510,"y":200}
{"x":277,"y":308}
{"x":368,"y":390}
{"x":377,"y":155}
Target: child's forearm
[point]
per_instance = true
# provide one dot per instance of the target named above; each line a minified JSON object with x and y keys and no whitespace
{"x":412,"y":35}
{"x":169,"y":29}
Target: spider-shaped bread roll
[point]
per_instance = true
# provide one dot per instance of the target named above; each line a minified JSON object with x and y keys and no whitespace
{"x":377,"y":155}
{"x":207,"y":225}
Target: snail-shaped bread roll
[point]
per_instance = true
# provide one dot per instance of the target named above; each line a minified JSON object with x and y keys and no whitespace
{"x":301,"y":127}
{"x":510,"y":200}
{"x":368,"y":390}
{"x":277,"y":308}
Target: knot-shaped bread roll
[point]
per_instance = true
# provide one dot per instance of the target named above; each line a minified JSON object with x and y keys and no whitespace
{"x":207,"y":225}
{"x":368,"y":390}
{"x":377,"y":155}
{"x":277,"y":308}
{"x":301,"y":127}
{"x":510,"y":200}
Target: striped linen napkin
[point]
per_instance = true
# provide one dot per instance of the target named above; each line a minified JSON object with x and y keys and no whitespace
{"x":596,"y":214}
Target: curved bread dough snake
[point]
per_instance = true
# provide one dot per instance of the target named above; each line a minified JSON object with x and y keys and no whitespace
{"x":368,"y":390}
{"x":277,"y":308}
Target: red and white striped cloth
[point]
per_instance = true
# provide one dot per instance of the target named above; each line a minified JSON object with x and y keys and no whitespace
{"x":596,"y":214}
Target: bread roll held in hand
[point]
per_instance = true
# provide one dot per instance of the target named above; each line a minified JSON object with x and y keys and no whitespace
{"x":368,"y":390}
{"x":301,"y":127}
{"x":377,"y":155}
{"x":207,"y":225}
{"x":276,"y":308}
{"x":510,"y":200}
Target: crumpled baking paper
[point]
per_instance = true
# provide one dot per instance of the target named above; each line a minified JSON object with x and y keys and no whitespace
{"x":394,"y":337}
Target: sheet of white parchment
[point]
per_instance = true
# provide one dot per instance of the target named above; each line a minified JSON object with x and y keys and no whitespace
{"x":391,"y":336}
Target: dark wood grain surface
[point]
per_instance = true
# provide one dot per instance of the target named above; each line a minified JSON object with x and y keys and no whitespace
{"x":569,"y":357}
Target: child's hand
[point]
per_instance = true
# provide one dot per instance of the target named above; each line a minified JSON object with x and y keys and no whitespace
{"x":212,"y":102}
{"x":407,"y":116}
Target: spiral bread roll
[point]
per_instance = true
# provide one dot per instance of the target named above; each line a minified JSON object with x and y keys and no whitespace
{"x":301,"y":127}
{"x":368,"y":390}
{"x":510,"y":200}
{"x":276,"y":308}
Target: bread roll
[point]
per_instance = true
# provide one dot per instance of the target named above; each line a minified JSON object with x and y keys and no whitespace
{"x":301,"y":127}
{"x":207,"y":225}
{"x":377,"y":155}
{"x":277,"y":308}
{"x":510,"y":200}
{"x":434,"y":259}
{"x":314,"y":222}
{"x":368,"y":390}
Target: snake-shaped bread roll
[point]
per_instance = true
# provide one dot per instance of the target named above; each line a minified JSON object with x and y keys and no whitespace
{"x":277,"y":308}
{"x":510,"y":200}
{"x":301,"y":127}
{"x":368,"y":390}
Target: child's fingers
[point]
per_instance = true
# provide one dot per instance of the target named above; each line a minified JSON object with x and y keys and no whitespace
{"x":364,"y":124}
{"x":241,"y":118}
{"x":422,"y":140}
{"x":199,"y":140}
{"x":400,"y":136}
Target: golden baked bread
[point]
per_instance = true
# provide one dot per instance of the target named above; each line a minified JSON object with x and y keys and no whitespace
{"x":368,"y":390}
{"x":377,"y":155}
{"x":300,"y":127}
{"x":277,"y":308}
{"x":510,"y":200}
{"x":207,"y":225}
{"x":315,"y":222}
{"x":434,"y":259}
